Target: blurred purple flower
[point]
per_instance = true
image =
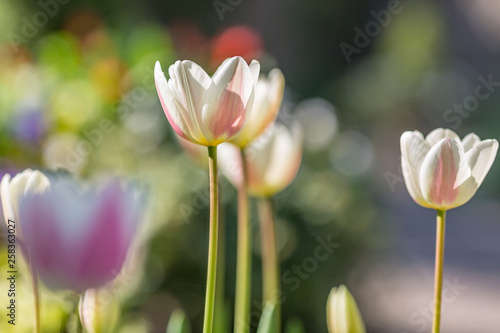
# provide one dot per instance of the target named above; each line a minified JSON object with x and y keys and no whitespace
{"x":79,"y":238}
{"x":29,"y":125}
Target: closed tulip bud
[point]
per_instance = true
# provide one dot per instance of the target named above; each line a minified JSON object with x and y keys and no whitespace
{"x":99,"y":311}
{"x":207,"y":110}
{"x":443,"y":172}
{"x":78,"y":238}
{"x":342,"y":313}
{"x":12,"y":191}
{"x":267,"y":101}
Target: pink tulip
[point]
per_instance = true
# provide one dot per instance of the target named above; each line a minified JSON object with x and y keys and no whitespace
{"x":78,"y":239}
{"x":207,"y":110}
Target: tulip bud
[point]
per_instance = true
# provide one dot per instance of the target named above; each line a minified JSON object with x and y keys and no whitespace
{"x":99,"y":310}
{"x":342,"y":313}
{"x":443,"y":172}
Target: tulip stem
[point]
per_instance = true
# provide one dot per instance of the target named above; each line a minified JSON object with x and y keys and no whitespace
{"x":220,"y":322}
{"x":269,"y":249}
{"x":212,"y":241}
{"x":438,"y":274}
{"x":244,"y":259}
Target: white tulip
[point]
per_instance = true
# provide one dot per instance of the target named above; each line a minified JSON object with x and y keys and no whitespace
{"x":207,"y":110}
{"x":443,"y":172}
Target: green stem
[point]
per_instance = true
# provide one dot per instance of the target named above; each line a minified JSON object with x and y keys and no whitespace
{"x":244,"y":260}
{"x":438,"y":277}
{"x":220,"y":323}
{"x":270,"y":263}
{"x":212,"y":241}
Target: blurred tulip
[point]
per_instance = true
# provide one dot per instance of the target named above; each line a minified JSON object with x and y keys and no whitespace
{"x":273,"y":164}
{"x":342,"y":313}
{"x":266,"y":105}
{"x":272,"y":160}
{"x":204,"y":110}
{"x":12,"y":191}
{"x":79,"y":238}
{"x":99,"y":310}
{"x":443,"y":172}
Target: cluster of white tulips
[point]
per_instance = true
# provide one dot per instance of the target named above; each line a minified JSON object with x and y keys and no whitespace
{"x":78,"y":238}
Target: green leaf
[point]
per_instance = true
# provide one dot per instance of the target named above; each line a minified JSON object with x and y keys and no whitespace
{"x":294,"y":325}
{"x":178,"y":322}
{"x":268,"y":321}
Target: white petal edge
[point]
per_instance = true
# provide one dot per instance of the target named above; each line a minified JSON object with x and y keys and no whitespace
{"x":414,"y":149}
{"x":481,"y":158}
{"x":440,"y":133}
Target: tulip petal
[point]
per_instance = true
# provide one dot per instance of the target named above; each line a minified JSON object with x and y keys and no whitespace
{"x":273,"y":159}
{"x":7,"y":207}
{"x":267,"y":101}
{"x":481,"y":158}
{"x":189,"y":84}
{"x":105,"y":248}
{"x":41,"y":232}
{"x":16,"y":189}
{"x":443,"y":170}
{"x":470,"y":141}
{"x":175,"y":112}
{"x":255,"y":70}
{"x":414,"y":148}
{"x":440,"y":133}
{"x":234,"y":86}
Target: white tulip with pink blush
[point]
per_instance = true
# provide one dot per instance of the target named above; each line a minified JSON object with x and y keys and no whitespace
{"x":207,"y":110}
{"x":441,"y":171}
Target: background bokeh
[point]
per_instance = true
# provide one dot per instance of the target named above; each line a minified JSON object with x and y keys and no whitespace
{"x":77,"y":93}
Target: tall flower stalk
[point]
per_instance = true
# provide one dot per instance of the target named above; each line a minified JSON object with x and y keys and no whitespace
{"x":212,"y":241}
{"x":269,"y":249}
{"x":244,"y":258}
{"x":442,"y":172}
{"x":438,"y":272}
